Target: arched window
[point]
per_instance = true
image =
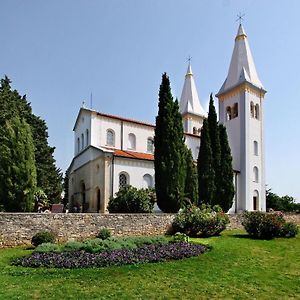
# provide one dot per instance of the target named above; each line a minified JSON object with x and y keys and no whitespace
{"x":257,"y":111}
{"x":199,"y":131}
{"x":235,"y":112}
{"x":255,"y":200}
{"x":255,"y":174}
{"x":110,"y":138}
{"x":78,"y":145}
{"x":194,"y":130}
{"x":148,"y":181}
{"x":131,"y":141}
{"x":228,"y":113}
{"x":87,"y":137}
{"x":255,"y":146}
{"x":123,"y":179}
{"x":82,"y":141}
{"x":252,"y":109}
{"x":150,"y":147}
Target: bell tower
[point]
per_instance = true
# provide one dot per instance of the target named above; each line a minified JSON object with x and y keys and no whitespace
{"x":190,"y":108}
{"x":241,"y":110}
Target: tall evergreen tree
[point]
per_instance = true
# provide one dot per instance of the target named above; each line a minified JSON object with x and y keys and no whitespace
{"x":226,"y":187}
{"x":49,"y":177}
{"x":191,"y":179}
{"x":169,"y":151}
{"x":17,"y":166}
{"x":206,"y":173}
{"x":215,"y":146}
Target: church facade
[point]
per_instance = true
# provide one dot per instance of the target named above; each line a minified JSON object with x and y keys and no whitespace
{"x":112,"y":151}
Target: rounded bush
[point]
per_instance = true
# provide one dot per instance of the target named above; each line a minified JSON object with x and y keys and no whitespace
{"x":262,"y":225}
{"x":132,"y":200}
{"x":104,"y":234}
{"x":47,"y":247}
{"x":200,"y":222}
{"x":43,"y":237}
{"x":289,"y":230}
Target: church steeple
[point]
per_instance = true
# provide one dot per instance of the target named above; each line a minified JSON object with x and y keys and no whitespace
{"x":242,"y":67}
{"x":189,"y":100}
{"x":241,"y":110}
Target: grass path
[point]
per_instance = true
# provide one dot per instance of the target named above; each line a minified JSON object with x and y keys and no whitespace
{"x":236,"y":268}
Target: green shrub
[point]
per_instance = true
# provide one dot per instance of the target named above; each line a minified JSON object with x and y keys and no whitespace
{"x":72,"y":246}
{"x":289,"y":230}
{"x":146,"y":240}
{"x":43,"y":237}
{"x":104,"y":234}
{"x":47,"y":247}
{"x":200,"y":222}
{"x":263,"y":225}
{"x":180,"y":237}
{"x":131,"y":200}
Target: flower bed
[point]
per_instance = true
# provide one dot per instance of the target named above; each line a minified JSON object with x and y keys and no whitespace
{"x":80,"y":259}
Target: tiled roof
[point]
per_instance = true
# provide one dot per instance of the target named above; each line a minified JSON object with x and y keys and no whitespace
{"x":132,"y":154}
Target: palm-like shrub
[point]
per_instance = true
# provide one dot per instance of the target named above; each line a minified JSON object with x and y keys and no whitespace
{"x":201,"y":221}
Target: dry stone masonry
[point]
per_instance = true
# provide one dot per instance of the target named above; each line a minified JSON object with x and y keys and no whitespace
{"x":17,"y":229}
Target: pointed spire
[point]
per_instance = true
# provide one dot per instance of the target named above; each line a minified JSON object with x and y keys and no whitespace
{"x":242,"y":67}
{"x":189,"y":100}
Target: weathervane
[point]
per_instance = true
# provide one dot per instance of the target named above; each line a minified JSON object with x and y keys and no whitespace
{"x":189,"y":59}
{"x":240,"y":18}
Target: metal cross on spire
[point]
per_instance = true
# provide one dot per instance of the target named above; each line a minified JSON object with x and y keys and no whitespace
{"x":189,"y":59}
{"x":240,"y":18}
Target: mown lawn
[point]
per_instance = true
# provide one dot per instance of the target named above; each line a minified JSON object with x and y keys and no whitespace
{"x":236,"y":268}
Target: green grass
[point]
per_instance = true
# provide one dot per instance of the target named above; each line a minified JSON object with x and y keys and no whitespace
{"x":236,"y":268}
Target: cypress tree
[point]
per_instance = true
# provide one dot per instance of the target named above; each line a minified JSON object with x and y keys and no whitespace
{"x":226,"y":187}
{"x":206,"y":173}
{"x":215,"y":146}
{"x":17,"y":166}
{"x":191,"y":179}
{"x":49,"y":177}
{"x":169,"y":161}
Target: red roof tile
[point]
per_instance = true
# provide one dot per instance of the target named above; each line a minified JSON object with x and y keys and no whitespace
{"x":132,"y":154}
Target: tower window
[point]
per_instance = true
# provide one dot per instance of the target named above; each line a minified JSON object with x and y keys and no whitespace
{"x":150,"y":145}
{"x":257,"y":111}
{"x":255,"y":145}
{"x":78,"y":144}
{"x":252,"y":109}
{"x":228,"y":113}
{"x":235,"y":111}
{"x":131,"y":141}
{"x":194,"y":130}
{"x":110,"y":138}
{"x":255,"y":174}
{"x":82,"y":141}
{"x":87,"y":137}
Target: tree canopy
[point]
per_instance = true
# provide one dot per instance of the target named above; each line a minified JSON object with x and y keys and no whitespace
{"x":169,"y":151}
{"x":48,"y":176}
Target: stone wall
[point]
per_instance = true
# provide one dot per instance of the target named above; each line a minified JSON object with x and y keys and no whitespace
{"x":18,"y":228}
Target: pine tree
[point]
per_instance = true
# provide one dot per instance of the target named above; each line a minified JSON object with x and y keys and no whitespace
{"x":49,"y":178}
{"x":17,"y":166}
{"x":191,"y":179}
{"x":169,"y":151}
{"x":226,"y":187}
{"x":206,"y":173}
{"x":215,"y":146}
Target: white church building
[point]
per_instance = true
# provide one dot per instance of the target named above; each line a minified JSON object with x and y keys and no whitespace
{"x":112,"y":151}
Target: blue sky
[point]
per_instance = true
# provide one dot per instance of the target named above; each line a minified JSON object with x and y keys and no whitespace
{"x":58,"y":52}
